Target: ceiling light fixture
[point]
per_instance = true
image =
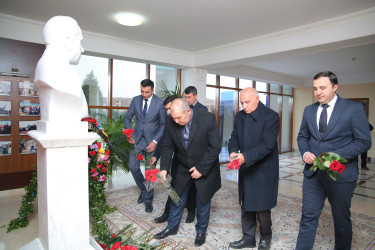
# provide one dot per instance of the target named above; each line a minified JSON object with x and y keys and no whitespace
{"x":129,"y":19}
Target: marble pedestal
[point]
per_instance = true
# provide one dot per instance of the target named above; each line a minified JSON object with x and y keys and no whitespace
{"x":63,"y":207}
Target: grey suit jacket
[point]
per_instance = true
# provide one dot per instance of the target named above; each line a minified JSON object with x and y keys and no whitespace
{"x":347,"y":134}
{"x":153,"y":125}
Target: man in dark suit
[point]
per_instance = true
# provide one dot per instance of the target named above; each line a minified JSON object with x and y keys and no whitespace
{"x":194,"y":138}
{"x":337,"y":125}
{"x":254,"y":143}
{"x":150,"y":114}
{"x":191,"y":96}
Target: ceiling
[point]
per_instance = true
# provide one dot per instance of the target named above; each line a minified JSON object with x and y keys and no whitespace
{"x":199,"y":27}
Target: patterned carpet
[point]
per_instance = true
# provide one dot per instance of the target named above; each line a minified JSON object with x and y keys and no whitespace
{"x":225,"y":222}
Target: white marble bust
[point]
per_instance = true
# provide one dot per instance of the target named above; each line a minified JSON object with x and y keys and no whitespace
{"x":60,"y":89}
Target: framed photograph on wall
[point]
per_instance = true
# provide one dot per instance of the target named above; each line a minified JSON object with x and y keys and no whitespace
{"x":27,"y":146}
{"x":26,"y":88}
{"x":5,"y":87}
{"x":26,"y":126}
{"x":5,"y":128}
{"x":5,"y":148}
{"x":5,"y":108}
{"x":28,"y":108}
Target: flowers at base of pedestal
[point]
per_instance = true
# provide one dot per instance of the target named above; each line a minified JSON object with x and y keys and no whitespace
{"x":331,"y":163}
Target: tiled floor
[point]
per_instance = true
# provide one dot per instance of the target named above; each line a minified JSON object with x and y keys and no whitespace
{"x":291,"y":177}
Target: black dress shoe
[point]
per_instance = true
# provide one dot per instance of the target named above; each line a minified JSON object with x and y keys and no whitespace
{"x":365,"y":168}
{"x":200,"y":240}
{"x":264,"y":244}
{"x":140,"y":198}
{"x":161,"y":219}
{"x":165,"y":233}
{"x":242,"y":244}
{"x":191,"y":216}
{"x":148,"y":207}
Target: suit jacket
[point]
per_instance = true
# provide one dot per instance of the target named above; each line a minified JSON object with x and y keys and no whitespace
{"x":255,"y":135}
{"x":202,"y":151}
{"x":199,"y":105}
{"x":347,"y":134}
{"x":153,"y":125}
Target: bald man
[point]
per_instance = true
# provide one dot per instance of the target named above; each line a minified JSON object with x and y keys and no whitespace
{"x":254,"y":143}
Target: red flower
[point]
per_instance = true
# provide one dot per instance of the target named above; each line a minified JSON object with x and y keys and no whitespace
{"x":104,"y":169}
{"x":99,"y":145}
{"x":234,"y":164}
{"x":151,"y":175}
{"x":100,"y":166}
{"x":107,"y":152}
{"x":93,"y":170}
{"x":337,"y":166}
{"x":140,"y":157}
{"x":94,"y":178}
{"x":114,"y":236}
{"x":102,"y":245}
{"x":128,"y":132}
{"x":116,"y":245}
{"x":92,"y":153}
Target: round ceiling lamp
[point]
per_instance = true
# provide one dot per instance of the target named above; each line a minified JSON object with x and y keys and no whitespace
{"x":129,"y":19}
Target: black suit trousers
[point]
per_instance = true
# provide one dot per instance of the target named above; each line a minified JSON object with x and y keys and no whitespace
{"x":249,"y":224}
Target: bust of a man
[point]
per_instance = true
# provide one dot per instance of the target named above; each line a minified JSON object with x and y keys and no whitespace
{"x":59,"y":86}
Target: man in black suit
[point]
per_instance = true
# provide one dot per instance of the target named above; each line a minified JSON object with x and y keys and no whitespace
{"x":191,"y":96}
{"x":193,"y":137}
{"x":364,"y":154}
{"x":254,"y":143}
{"x":337,"y":125}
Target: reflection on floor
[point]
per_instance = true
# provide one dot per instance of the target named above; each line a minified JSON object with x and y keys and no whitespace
{"x":291,"y":177}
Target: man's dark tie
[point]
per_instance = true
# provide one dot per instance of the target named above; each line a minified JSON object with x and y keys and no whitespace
{"x":145,"y":109}
{"x":191,"y":106}
{"x":186,"y":134}
{"x":323,"y":120}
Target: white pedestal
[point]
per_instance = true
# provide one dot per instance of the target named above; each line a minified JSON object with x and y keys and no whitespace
{"x":63,"y":207}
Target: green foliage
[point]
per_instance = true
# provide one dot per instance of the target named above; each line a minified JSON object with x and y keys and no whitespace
{"x":119,"y":146}
{"x":27,"y":206}
{"x":164,"y":92}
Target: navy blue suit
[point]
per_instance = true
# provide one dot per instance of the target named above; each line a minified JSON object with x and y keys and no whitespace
{"x":348,"y":135}
{"x":146,"y":130}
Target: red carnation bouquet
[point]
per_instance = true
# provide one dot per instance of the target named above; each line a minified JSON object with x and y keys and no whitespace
{"x":152,"y":173}
{"x":332,"y":163}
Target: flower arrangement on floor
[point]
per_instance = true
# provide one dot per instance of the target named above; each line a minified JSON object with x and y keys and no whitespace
{"x":331,"y":163}
{"x":27,"y":205}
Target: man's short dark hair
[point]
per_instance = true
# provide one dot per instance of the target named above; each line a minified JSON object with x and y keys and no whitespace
{"x":147,"y":83}
{"x":169,"y":99}
{"x":332,"y":77}
{"x":191,"y":89}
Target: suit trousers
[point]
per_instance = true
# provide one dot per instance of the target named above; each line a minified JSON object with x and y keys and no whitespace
{"x":249,"y":224}
{"x":134,"y":167}
{"x":203,"y":212}
{"x":315,"y":191}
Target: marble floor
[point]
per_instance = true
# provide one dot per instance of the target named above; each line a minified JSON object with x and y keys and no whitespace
{"x":291,"y":177}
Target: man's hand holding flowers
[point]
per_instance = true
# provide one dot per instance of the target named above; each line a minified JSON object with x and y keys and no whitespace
{"x":151,"y":147}
{"x":239,"y":156}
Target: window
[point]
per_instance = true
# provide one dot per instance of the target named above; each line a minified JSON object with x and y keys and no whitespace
{"x":222,"y":99}
{"x":110,"y":84}
{"x":127,"y":77}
